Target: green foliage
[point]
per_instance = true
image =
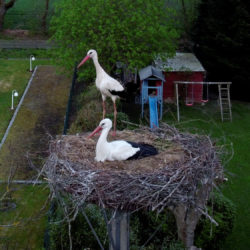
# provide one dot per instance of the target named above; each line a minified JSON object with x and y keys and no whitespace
{"x":123,"y":30}
{"x":82,"y":236}
{"x":209,"y":236}
{"x":222,"y":37}
{"x":148,"y":229}
{"x":145,"y":224}
{"x":88,"y":107}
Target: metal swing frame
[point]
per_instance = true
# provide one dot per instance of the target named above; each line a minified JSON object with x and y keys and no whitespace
{"x":221,"y":99}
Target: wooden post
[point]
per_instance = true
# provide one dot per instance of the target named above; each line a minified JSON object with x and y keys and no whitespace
{"x":188,"y":217}
{"x":177,"y":101}
{"x":120,"y":231}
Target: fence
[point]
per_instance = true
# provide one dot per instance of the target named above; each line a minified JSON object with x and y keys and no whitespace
{"x":66,"y":120}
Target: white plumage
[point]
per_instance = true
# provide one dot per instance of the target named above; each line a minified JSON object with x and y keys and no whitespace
{"x":108,"y":86}
{"x":118,"y":150}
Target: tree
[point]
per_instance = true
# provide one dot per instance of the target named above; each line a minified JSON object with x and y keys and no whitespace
{"x":44,"y":17}
{"x":128,"y":31}
{"x":222,"y":42}
{"x":4,"y":7}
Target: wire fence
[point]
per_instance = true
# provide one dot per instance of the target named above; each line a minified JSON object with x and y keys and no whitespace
{"x":69,"y":105}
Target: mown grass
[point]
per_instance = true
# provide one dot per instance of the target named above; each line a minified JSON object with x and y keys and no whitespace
{"x":236,"y":135}
{"x":24,"y":226}
{"x":14,"y":75}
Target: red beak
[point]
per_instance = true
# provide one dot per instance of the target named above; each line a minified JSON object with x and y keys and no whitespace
{"x":95,"y":131}
{"x":83,"y":61}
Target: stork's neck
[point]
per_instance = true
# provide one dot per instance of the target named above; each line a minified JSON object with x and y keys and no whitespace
{"x":98,"y":67}
{"x":103,"y":137}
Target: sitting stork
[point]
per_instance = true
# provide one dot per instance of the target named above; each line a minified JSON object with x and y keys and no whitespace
{"x":118,"y":150}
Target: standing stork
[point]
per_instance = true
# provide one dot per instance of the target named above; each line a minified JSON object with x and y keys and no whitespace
{"x":108,"y":86}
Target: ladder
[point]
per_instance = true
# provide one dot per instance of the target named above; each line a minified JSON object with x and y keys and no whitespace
{"x":225,"y":102}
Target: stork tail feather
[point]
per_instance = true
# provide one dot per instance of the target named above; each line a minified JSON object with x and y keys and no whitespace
{"x":145,"y":150}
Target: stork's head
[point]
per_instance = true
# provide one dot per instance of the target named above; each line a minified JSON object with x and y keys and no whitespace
{"x":91,"y":54}
{"x":104,"y":124}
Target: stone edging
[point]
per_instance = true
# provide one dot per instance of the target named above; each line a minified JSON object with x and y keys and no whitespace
{"x":17,"y":109}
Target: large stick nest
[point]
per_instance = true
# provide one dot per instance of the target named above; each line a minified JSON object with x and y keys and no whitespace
{"x":184,"y":163}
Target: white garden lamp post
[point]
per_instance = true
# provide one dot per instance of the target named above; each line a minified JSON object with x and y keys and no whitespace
{"x":32,"y":58}
{"x":14,"y":94}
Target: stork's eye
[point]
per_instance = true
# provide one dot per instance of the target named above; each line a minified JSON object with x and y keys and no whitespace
{"x":102,"y":124}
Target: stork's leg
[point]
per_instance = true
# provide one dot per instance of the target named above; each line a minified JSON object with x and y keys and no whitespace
{"x":115,"y":114}
{"x":103,"y":109}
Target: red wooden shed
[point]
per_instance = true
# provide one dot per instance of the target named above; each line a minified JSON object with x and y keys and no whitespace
{"x":182,"y":67}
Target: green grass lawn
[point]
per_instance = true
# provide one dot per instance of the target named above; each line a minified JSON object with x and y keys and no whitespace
{"x":236,"y":136}
{"x":24,"y":226}
{"x":27,"y":222}
{"x":14,"y":75}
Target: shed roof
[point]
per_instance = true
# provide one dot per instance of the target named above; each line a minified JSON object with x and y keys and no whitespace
{"x":151,"y":71}
{"x":180,"y":62}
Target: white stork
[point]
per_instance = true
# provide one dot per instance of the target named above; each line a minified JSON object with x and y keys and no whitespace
{"x":118,"y":150}
{"x":107,"y":85}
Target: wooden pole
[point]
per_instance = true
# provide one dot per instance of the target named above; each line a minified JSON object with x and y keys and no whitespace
{"x":120,"y":231}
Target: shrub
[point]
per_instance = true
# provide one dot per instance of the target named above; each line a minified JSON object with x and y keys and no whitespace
{"x":209,"y":236}
{"x":89,"y":111}
{"x":144,"y":225}
{"x":128,"y":31}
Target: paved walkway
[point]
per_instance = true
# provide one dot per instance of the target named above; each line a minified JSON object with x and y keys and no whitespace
{"x":26,"y":44}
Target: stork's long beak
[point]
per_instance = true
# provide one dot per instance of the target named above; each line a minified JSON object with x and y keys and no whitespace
{"x":83,"y":61}
{"x":95,"y":131}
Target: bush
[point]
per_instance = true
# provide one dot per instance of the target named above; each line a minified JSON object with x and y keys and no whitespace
{"x":89,"y":111}
{"x":144,"y":225}
{"x":209,"y":236}
{"x":128,"y":31}
{"x":82,"y":236}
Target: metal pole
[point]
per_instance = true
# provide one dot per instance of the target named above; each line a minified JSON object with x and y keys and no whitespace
{"x":30,"y":64}
{"x":177,"y":101}
{"x":12,"y":100}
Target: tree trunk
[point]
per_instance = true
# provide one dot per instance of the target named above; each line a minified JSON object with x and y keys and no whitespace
{"x":3,"y":9}
{"x":2,"y":14}
{"x":44,"y":18}
{"x":188,"y":217}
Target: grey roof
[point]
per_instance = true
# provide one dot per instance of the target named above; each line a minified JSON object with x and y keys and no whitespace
{"x":180,"y":62}
{"x":151,"y":71}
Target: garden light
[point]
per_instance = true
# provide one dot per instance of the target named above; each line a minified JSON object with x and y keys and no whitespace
{"x":32,"y":58}
{"x":14,"y":94}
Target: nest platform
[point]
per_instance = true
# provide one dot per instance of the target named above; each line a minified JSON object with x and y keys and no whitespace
{"x":185,"y":163}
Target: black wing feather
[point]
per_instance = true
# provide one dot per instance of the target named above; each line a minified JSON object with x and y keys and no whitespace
{"x":145,"y":150}
{"x":118,"y":93}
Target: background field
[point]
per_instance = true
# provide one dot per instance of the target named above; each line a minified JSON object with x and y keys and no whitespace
{"x":27,"y":14}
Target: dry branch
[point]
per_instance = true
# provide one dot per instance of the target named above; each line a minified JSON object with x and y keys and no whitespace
{"x":185,"y":163}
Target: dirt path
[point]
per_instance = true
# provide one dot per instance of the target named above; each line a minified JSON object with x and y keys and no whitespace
{"x":41,"y":115}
